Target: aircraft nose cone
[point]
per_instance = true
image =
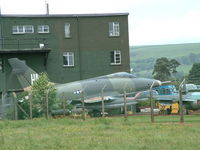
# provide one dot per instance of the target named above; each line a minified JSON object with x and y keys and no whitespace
{"x":158,"y":82}
{"x":155,"y":83}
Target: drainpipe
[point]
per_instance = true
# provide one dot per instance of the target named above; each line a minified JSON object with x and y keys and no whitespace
{"x":1,"y":36}
{"x":79,"y":49}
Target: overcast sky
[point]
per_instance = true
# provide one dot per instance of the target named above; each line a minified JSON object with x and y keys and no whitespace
{"x":150,"y":21}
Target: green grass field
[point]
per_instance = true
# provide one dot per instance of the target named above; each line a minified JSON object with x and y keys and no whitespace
{"x":137,"y":133}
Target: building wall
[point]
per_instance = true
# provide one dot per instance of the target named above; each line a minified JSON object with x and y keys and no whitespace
{"x":89,"y":41}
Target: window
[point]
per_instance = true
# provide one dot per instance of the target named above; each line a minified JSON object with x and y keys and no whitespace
{"x":67,"y":30}
{"x":23,"y":29}
{"x":28,"y":29}
{"x":115,"y":57}
{"x":114,"y":29}
{"x":43,"y":29}
{"x":68,"y":59}
{"x":18,"y":30}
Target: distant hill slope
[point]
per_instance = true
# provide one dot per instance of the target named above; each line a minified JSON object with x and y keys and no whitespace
{"x":143,"y":57}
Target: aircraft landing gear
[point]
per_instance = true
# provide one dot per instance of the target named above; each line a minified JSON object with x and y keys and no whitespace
{"x":95,"y":113}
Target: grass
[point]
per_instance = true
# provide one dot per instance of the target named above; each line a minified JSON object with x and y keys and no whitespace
{"x":99,"y":134}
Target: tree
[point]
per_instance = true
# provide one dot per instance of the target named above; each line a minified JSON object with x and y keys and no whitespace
{"x":194,"y":74}
{"x":173,"y":65}
{"x":164,"y":68}
{"x":161,"y":69}
{"x":39,"y":93}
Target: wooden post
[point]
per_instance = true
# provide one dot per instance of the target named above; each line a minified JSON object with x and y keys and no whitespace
{"x":30,"y":107}
{"x":181,"y":102}
{"x":47,"y":104}
{"x":83,"y":105}
{"x":102,"y":104}
{"x":151,"y":101}
{"x":15,"y":105}
{"x":64,"y":104}
{"x":125,"y":105}
{"x":64,"y":107}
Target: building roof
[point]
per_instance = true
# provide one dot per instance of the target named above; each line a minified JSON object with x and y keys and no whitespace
{"x":62,"y":15}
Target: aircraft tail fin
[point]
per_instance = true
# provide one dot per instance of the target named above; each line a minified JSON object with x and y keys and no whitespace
{"x":25,"y":74}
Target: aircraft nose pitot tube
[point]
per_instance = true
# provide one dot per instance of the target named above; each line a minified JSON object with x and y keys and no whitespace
{"x":157,"y":83}
{"x":154,"y":83}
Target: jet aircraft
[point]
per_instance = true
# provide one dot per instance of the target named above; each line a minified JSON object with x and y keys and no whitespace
{"x":167,"y":95}
{"x":90,"y":90}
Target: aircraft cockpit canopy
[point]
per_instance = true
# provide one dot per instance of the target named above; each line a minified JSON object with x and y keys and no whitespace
{"x":121,"y":75}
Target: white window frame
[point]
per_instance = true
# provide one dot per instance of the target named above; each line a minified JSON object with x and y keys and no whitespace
{"x":28,"y":29}
{"x":67,"y":28}
{"x":117,"y":57}
{"x":22,"y":29}
{"x":68,"y":56}
{"x":43,"y":28}
{"x":18,"y":29}
{"x":114,"y":29}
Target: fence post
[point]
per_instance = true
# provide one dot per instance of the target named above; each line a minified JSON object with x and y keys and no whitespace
{"x":181,"y":101}
{"x":15,"y":105}
{"x":47,"y":104}
{"x":125,"y":105}
{"x":151,"y":101}
{"x":125,"y":102}
{"x":102,"y":98}
{"x":64,"y":105}
{"x":30,"y":107}
{"x":83,"y":105}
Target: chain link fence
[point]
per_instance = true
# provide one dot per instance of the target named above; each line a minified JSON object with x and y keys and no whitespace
{"x":7,"y":109}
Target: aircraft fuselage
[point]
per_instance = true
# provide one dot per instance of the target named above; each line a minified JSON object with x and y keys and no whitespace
{"x":112,"y":85}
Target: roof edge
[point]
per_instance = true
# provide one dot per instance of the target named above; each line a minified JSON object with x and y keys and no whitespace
{"x":31,"y":50}
{"x":64,"y":15}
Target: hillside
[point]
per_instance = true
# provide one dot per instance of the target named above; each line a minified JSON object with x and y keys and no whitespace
{"x":143,"y":57}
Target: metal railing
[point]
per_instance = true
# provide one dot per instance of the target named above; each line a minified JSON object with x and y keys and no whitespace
{"x":23,"y":43}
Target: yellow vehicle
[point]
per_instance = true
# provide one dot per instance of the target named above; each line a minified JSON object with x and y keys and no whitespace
{"x":168,"y":109}
{"x":175,"y":108}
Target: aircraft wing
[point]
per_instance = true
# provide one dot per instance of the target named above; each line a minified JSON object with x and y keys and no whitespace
{"x":108,"y":98}
{"x":112,"y":96}
{"x":113,"y":102}
{"x":188,"y":100}
{"x":166,"y":97}
{"x":96,"y":98}
{"x":111,"y":105}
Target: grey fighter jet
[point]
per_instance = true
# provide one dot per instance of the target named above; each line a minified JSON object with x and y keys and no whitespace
{"x":90,"y":90}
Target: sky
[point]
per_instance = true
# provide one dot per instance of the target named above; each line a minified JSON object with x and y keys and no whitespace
{"x":151,"y":22}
